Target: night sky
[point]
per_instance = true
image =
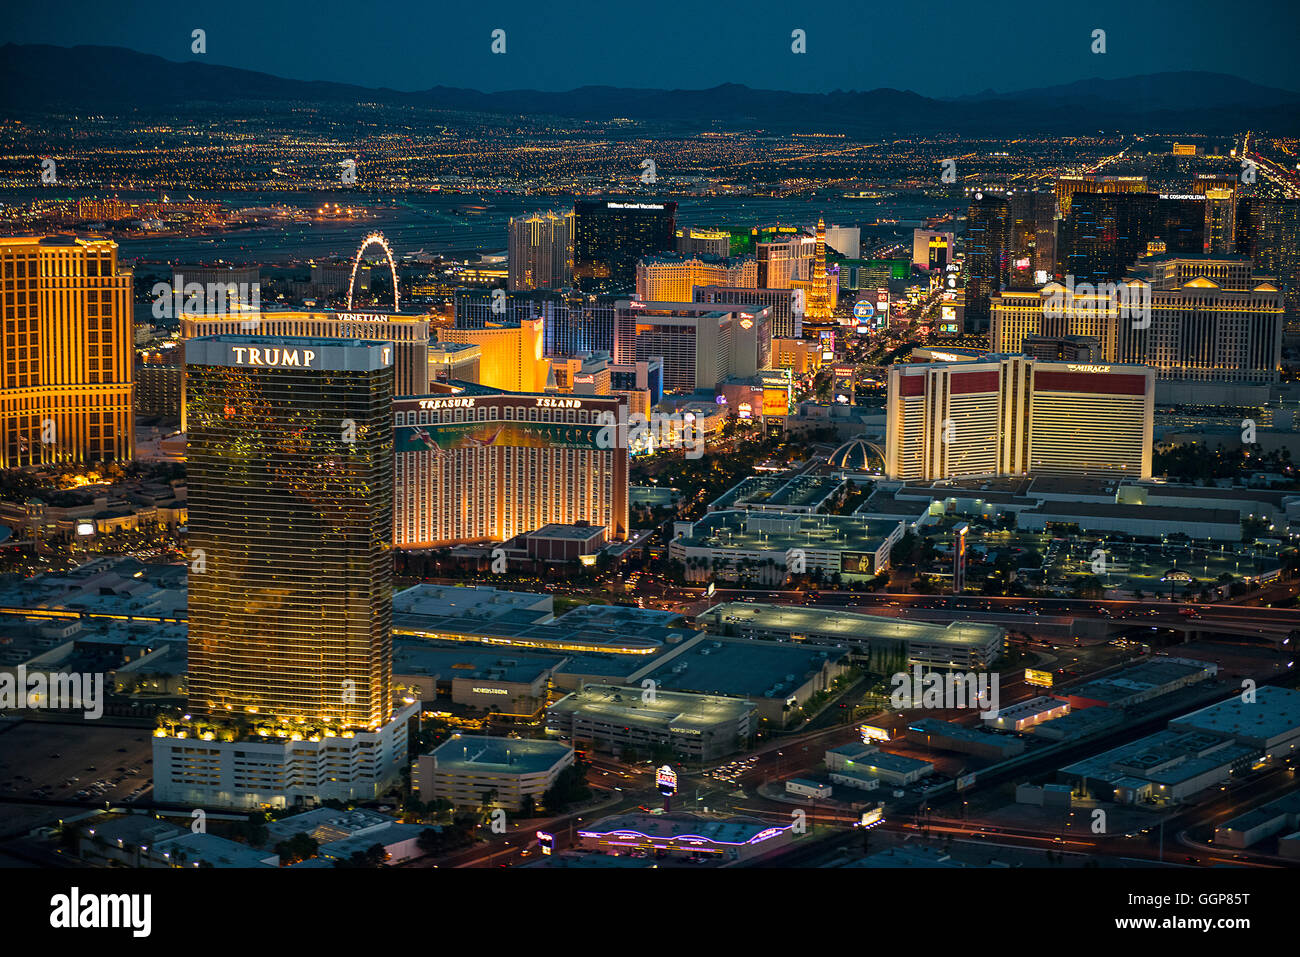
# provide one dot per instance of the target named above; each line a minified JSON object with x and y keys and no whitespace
{"x":934,"y":47}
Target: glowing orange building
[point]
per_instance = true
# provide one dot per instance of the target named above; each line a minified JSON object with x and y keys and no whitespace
{"x":511,"y":354}
{"x":67,"y":380}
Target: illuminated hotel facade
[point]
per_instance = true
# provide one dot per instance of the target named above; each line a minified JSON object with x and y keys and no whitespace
{"x":785,"y":255}
{"x":673,"y":278}
{"x":1210,"y":319}
{"x":66,"y":393}
{"x":694,"y":241}
{"x":610,"y":236}
{"x":485,"y":465}
{"x":289,"y":470}
{"x":510,"y":354}
{"x":786,"y":320}
{"x":1068,"y":186}
{"x":1014,"y":415}
{"x":541,"y":251}
{"x":700,"y":343}
{"x":290,"y":473}
{"x":408,"y":334}
{"x":290,"y":618}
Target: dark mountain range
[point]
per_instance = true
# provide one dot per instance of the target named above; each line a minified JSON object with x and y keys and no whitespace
{"x":43,"y":79}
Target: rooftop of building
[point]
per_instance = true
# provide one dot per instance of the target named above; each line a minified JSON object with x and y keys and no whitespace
{"x":134,"y":829}
{"x":1030,"y":706}
{"x":468,"y":753}
{"x":676,"y":258}
{"x":475,"y":601}
{"x":743,"y":668}
{"x":950,"y":729}
{"x":580,"y":532}
{"x":780,"y":531}
{"x":668,"y":709}
{"x":774,"y":491}
{"x":850,"y":626}
{"x":1144,"y":676}
{"x":1167,"y":758}
{"x":626,"y":634}
{"x":877,"y":760}
{"x":1164,"y":490}
{"x":215,"y":850}
{"x":386,"y":835}
{"x":1077,"y":723}
{"x":1273,"y":712}
{"x":327,"y":824}
{"x":1140,"y":513}
{"x":454,"y":660}
{"x":1287,"y":804}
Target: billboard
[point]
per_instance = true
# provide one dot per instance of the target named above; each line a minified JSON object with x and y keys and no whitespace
{"x":842,"y":384}
{"x":857,"y":563}
{"x":882,"y":308}
{"x":444,"y":436}
{"x":1040,"y":679}
{"x":666,"y":781}
{"x":871,"y":734}
{"x":827,"y":339}
{"x":776,"y":401}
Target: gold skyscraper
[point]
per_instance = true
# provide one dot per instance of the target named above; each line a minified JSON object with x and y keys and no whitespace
{"x":67,"y":376}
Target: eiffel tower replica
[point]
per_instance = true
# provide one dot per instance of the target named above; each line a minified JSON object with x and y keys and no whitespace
{"x":817,"y":306}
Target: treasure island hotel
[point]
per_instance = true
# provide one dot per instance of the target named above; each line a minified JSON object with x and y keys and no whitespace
{"x":290,"y":475}
{"x":479,"y":464}
{"x":65,"y":395}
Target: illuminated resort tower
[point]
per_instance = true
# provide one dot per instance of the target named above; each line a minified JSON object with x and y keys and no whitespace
{"x":290,"y":477}
{"x":67,"y":376}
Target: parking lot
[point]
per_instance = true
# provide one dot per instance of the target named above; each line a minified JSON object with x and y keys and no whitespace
{"x":81,"y":762}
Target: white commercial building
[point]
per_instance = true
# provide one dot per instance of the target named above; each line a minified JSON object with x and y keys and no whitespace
{"x":476,"y":771}
{"x":265,"y":771}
